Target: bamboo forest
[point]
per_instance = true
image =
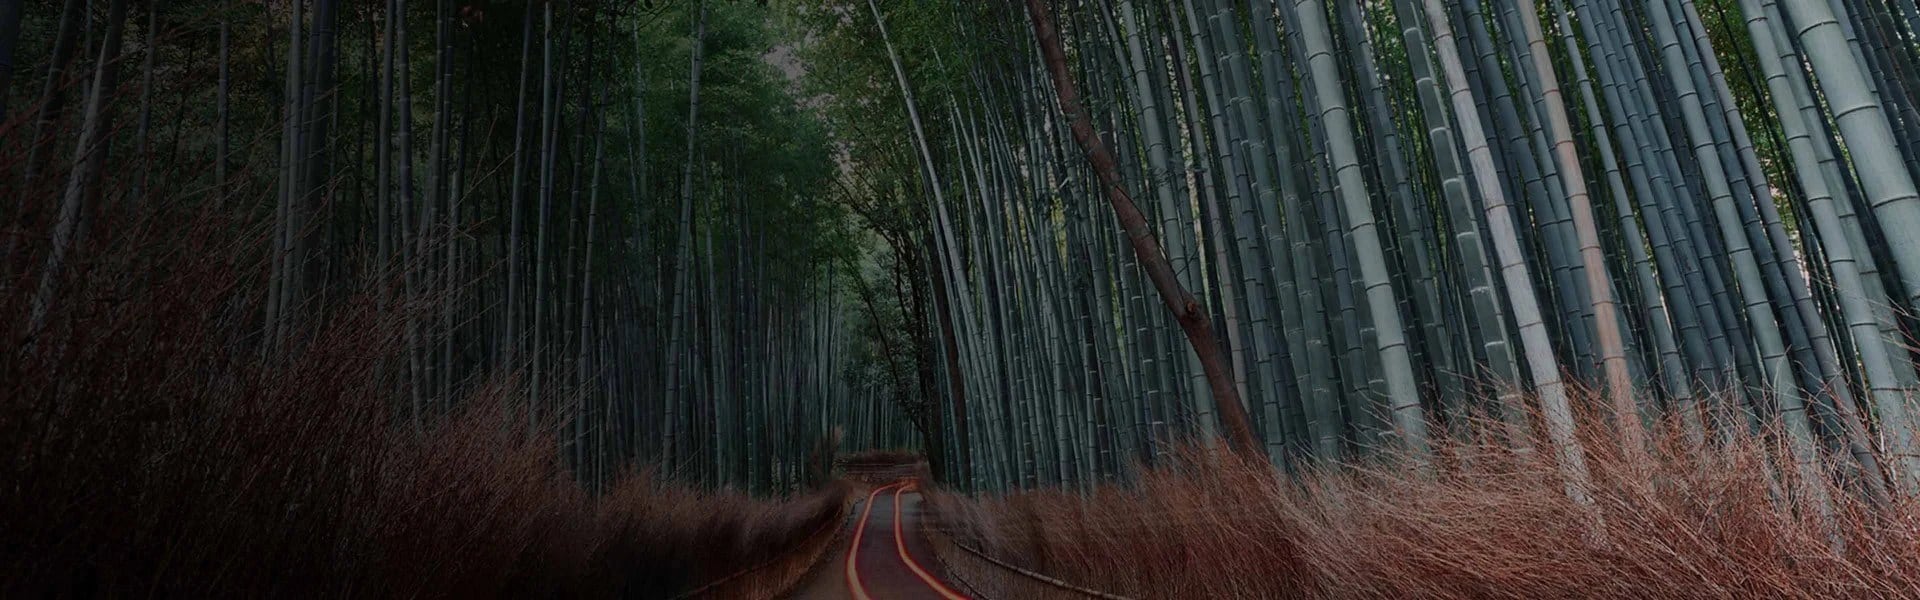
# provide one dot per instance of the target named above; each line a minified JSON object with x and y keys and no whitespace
{"x":995,"y":299}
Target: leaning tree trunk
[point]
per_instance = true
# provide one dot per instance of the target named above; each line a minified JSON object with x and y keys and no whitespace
{"x":1185,"y":308}
{"x":90,"y":154}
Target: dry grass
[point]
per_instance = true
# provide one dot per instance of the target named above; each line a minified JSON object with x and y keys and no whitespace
{"x":1699,"y":523}
{"x":152,"y":449}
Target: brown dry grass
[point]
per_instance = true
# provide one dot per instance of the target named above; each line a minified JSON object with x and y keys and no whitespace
{"x":151,"y":450}
{"x":1699,"y":523}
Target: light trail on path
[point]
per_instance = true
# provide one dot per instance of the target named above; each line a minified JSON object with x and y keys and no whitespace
{"x":854,"y":586}
{"x":900,"y":544}
{"x":884,"y":556}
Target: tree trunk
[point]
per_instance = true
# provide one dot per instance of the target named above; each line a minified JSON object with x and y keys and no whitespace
{"x":90,"y":156}
{"x":685,"y":245}
{"x":1185,"y":309}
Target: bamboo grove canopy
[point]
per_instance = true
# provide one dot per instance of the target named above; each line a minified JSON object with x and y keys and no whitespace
{"x":718,"y":238}
{"x":1408,"y":212}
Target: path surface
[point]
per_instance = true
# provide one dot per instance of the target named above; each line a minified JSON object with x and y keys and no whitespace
{"x":881,"y":556}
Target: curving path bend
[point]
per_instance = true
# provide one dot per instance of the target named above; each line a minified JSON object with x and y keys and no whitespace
{"x":882,"y":557}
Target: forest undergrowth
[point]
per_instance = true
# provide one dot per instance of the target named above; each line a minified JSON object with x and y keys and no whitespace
{"x":155,"y":448}
{"x":1714,"y":520}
